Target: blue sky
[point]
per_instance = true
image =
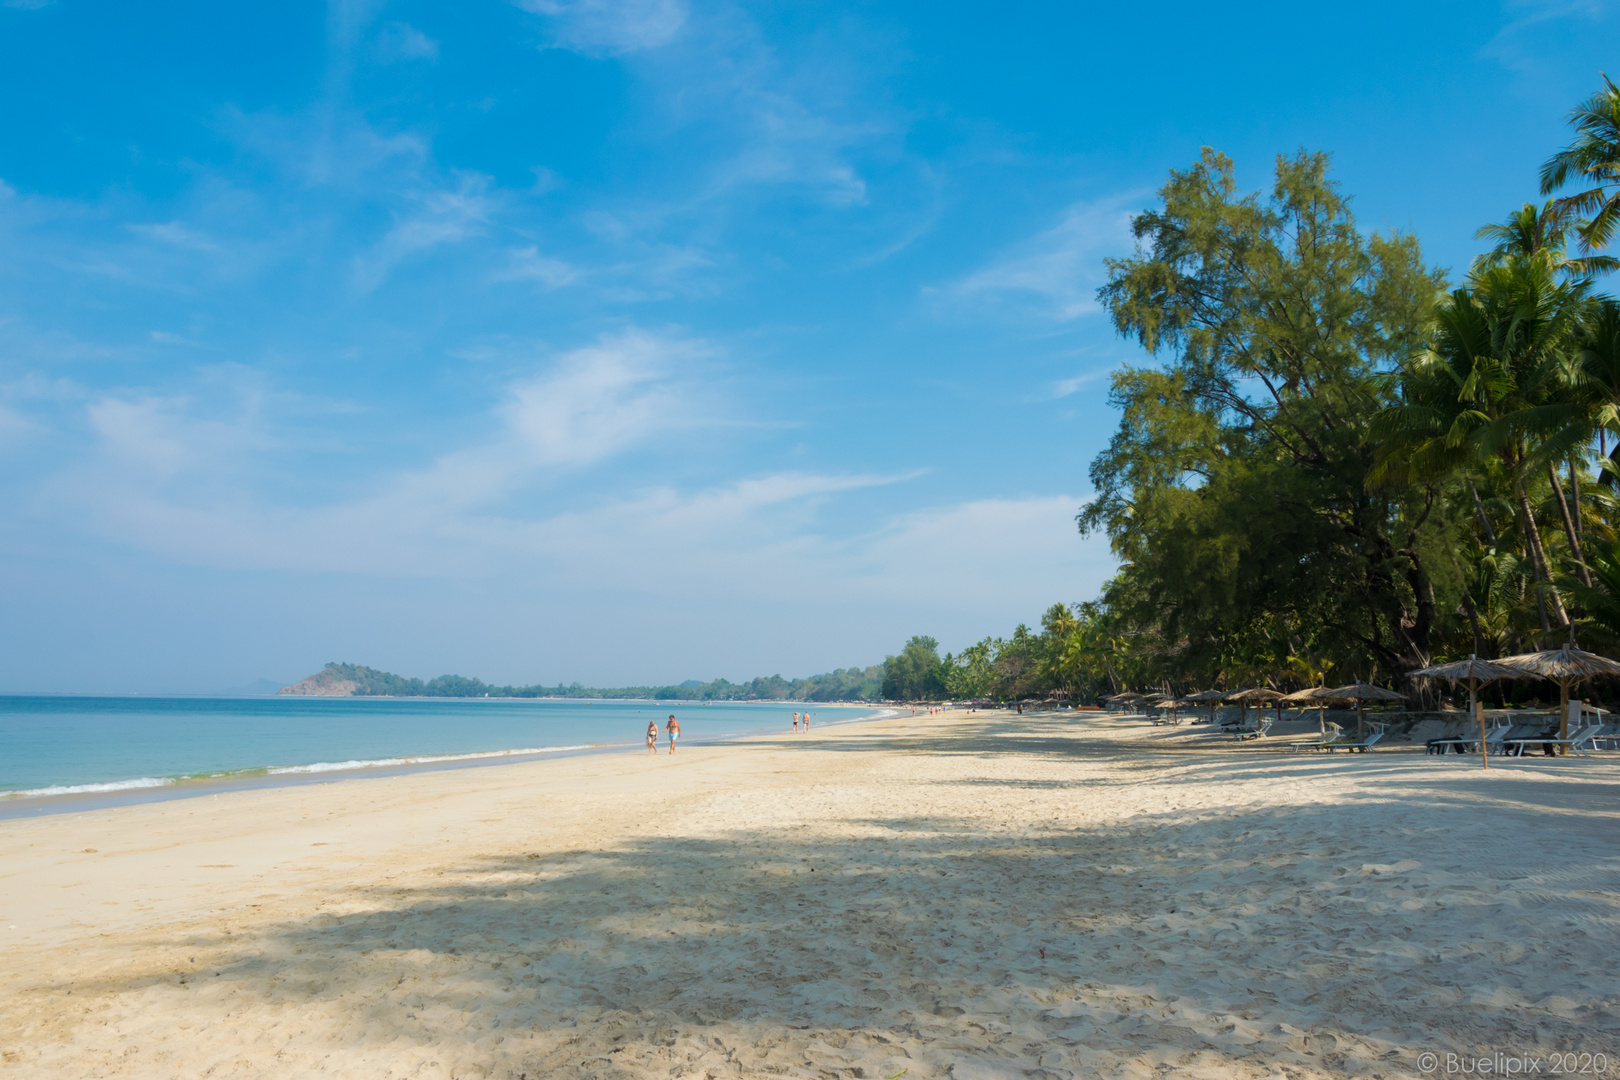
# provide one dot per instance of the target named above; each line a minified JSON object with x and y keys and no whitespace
{"x":568,"y":339}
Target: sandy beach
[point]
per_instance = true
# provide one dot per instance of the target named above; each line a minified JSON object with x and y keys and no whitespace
{"x":968,"y":896}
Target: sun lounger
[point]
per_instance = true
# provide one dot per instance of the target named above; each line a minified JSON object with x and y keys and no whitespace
{"x":1469,"y":743}
{"x":1352,"y":745}
{"x":1256,"y":733}
{"x":1575,"y":742}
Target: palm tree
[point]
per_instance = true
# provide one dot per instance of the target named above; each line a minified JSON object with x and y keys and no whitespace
{"x":1601,"y":599}
{"x":1594,"y":156}
{"x":1537,"y":232}
{"x":1492,"y":387}
{"x":1495,"y":592}
{"x":1598,"y":375}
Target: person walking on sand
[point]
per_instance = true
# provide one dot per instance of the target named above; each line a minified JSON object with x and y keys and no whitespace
{"x":674,"y":729}
{"x":807,"y":720}
{"x":652,"y":736}
{"x":795,"y":722}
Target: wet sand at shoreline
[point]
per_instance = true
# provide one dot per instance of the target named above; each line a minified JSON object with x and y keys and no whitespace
{"x":957,"y":896}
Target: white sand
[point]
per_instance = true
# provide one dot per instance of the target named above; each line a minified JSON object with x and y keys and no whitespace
{"x":980,"y":897}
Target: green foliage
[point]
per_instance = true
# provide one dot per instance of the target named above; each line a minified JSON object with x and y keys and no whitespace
{"x":844,"y":684}
{"x":1332,"y":467}
{"x":1593,"y":157}
{"x":1235,"y":488}
{"x":916,"y":674}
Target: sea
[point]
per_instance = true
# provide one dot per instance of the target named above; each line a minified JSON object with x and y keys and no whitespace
{"x":65,"y":752}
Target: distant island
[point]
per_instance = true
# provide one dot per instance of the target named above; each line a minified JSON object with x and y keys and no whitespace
{"x":357,"y":680}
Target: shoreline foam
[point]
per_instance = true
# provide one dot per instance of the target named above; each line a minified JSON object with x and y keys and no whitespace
{"x":76,"y":798}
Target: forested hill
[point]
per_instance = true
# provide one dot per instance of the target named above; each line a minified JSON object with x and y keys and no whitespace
{"x":357,"y":680}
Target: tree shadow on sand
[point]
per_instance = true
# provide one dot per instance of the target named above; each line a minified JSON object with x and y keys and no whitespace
{"x":1314,"y":938}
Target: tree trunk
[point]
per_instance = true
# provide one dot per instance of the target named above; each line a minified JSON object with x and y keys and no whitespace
{"x":1538,"y":554}
{"x":1575,"y":493}
{"x":1484,"y":519}
{"x":1569,"y":529}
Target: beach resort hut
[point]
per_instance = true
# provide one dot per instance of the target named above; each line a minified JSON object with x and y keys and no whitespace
{"x":1360,"y":693}
{"x":1566,"y":667}
{"x":1475,"y":671}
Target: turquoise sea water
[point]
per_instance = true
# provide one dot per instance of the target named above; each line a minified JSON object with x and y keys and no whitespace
{"x":82,"y":745}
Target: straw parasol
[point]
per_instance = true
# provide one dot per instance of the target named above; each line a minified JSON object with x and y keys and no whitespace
{"x":1259,"y":695}
{"x":1566,"y":667}
{"x":1211,"y":696}
{"x":1162,"y":700}
{"x":1360,"y":693}
{"x":1475,"y":671}
{"x":1310,"y":696}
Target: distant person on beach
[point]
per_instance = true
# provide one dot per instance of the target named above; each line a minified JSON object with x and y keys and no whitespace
{"x":674,"y":729}
{"x":807,"y":720}
{"x":795,"y":721}
{"x":652,"y":736}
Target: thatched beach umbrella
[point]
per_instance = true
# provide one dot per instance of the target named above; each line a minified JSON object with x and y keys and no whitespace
{"x":1259,"y":695}
{"x":1360,"y":693}
{"x":1475,"y":671}
{"x":1310,"y":696}
{"x":1212,"y":696}
{"x":1566,"y":667}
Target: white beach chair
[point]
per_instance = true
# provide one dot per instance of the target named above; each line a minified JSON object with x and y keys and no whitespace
{"x":1338,"y":741}
{"x":1362,"y":746}
{"x":1257,"y":733}
{"x":1575,"y":742}
{"x":1493,"y":739}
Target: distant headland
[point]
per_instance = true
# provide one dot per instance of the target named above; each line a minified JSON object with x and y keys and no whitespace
{"x":357,"y":680}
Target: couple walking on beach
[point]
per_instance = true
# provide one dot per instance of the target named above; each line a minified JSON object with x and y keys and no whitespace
{"x":673,"y":726}
{"x":806,"y":721}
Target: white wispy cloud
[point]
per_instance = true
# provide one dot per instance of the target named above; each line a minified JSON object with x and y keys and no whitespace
{"x":177,"y":234}
{"x":432,"y":217}
{"x":600,"y":399}
{"x":792,"y":143}
{"x":800,"y":122}
{"x":401,"y":41}
{"x":188,"y":479}
{"x":1514,"y":45}
{"x":1072,"y":385}
{"x":528,"y":264}
{"x":179,"y":476}
{"x":610,"y":27}
{"x":1057,"y":271}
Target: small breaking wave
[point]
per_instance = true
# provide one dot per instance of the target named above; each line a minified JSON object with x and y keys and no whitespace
{"x":382,"y":763}
{"x":90,"y":789}
{"x":279,"y":770}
